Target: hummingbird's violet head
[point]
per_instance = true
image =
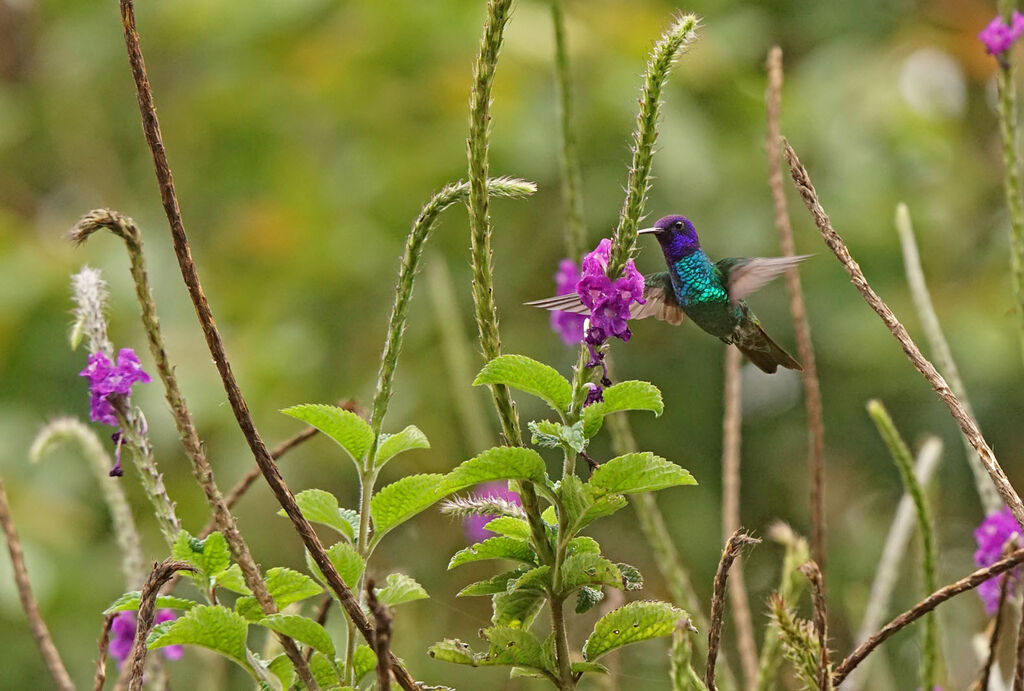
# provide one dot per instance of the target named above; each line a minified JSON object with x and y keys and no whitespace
{"x":676,"y":235}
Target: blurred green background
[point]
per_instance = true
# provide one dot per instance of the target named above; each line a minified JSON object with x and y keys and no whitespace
{"x":304,"y":137}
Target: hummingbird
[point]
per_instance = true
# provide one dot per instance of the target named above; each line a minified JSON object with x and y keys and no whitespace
{"x":710,"y":293}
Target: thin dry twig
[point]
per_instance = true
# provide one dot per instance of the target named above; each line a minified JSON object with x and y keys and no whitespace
{"x":1018,"y":667}
{"x":183,"y":252}
{"x":733,"y":547}
{"x":926,"y":605}
{"x":813,"y":573}
{"x":382,"y":638}
{"x":801,"y":324}
{"x":732,"y":422}
{"x":160,"y":574}
{"x":28,"y":601}
{"x":101,"y":659}
{"x":963,"y":418}
{"x":993,"y":641}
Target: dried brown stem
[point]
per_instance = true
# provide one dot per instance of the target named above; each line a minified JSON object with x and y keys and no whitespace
{"x":101,"y":659}
{"x":160,"y":574}
{"x":926,"y":605}
{"x":169,"y":199}
{"x":801,"y":324}
{"x":382,"y":638}
{"x":36,"y":624}
{"x":733,"y":547}
{"x":964,"y":419}
{"x":732,"y":422}
{"x":1018,"y":667}
{"x":813,"y":573}
{"x":993,"y":641}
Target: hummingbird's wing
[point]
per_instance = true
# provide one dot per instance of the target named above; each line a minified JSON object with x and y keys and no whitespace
{"x":745,"y":275}
{"x":660,"y":302}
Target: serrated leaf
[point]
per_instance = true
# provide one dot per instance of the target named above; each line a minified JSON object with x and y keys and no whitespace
{"x":499,"y":463}
{"x":589,"y":569}
{"x":584,"y":667}
{"x":514,"y":646}
{"x":393,"y":444}
{"x":302,"y":629}
{"x":455,"y":651}
{"x":582,"y":545}
{"x":364,"y":661}
{"x":286,"y":586}
{"x":233,"y":580}
{"x":343,"y":426}
{"x":209,"y":626}
{"x":345,"y":559}
{"x":553,"y":435}
{"x":265,"y":679}
{"x":517,"y":609}
{"x":129,"y":602}
{"x":637,"y":621}
{"x":587,"y":598}
{"x":525,"y":374}
{"x":400,"y":588}
{"x":324,"y":671}
{"x":210,"y":556}
{"x":495,"y":548}
{"x":575,"y":499}
{"x":322,"y":507}
{"x":637,"y":472}
{"x":400,"y":501}
{"x":509,"y":527}
{"x":627,"y":395}
{"x":282,"y":668}
{"x":534,"y":579}
{"x":602,"y":506}
{"x":493,"y":585}
{"x":631,"y":578}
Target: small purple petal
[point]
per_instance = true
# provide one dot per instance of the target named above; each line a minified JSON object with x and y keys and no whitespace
{"x":122,"y":631}
{"x":999,"y":37}
{"x":171,"y":652}
{"x":595,"y":394}
{"x":566,"y":324}
{"x":991,"y":536}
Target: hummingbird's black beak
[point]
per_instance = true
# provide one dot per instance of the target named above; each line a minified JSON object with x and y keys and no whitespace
{"x":644,"y":231}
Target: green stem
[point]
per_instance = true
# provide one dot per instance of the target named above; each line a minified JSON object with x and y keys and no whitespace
{"x":905,"y":463}
{"x":565,"y":679}
{"x":572,"y":178}
{"x":790,"y":587}
{"x":132,"y":424}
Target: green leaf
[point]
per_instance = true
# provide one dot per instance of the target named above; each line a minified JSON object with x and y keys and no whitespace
{"x":343,"y":426}
{"x":286,"y":586}
{"x":631,"y":578}
{"x":364,"y":661}
{"x":587,"y":598}
{"x":499,"y":463}
{"x":515,"y":646}
{"x":627,"y":395}
{"x":493,"y":585}
{"x":582,"y":545}
{"x":520,"y":372}
{"x":233,"y":580}
{"x":302,"y":629}
{"x":534,"y":579}
{"x":455,"y":651}
{"x":210,"y":556}
{"x":322,"y":507}
{"x":400,"y":501}
{"x":324,"y":671}
{"x":399,"y":589}
{"x":549,"y":516}
{"x":603,"y":506}
{"x":637,"y":621}
{"x":210,"y":626}
{"x":517,"y":609}
{"x":282,"y":668}
{"x":393,"y":444}
{"x":345,"y":559}
{"x":495,"y":548}
{"x":584,"y":667}
{"x":589,"y":569}
{"x":509,"y":527}
{"x":129,"y":602}
{"x":553,"y":435}
{"x":637,"y":472}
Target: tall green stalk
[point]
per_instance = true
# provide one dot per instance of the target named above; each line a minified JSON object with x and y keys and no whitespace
{"x":905,"y":462}
{"x":572,"y":178}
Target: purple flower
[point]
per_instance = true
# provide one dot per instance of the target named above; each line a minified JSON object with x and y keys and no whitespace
{"x":998,"y":36}
{"x":474,"y":525}
{"x":566,"y":324}
{"x":991,"y":536}
{"x":122,"y":631}
{"x":106,"y":380}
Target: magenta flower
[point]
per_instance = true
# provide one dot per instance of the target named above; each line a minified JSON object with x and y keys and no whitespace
{"x":474,"y":525}
{"x":999,"y":36}
{"x":123,"y":635}
{"x":106,"y":380}
{"x":566,"y":324}
{"x":991,"y":536}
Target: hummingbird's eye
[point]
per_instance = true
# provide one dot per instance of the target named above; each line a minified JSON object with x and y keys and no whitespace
{"x":678,"y":225}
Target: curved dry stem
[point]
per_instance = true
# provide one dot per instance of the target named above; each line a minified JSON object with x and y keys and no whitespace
{"x":160,"y":574}
{"x":813,"y":573}
{"x":733,"y":547}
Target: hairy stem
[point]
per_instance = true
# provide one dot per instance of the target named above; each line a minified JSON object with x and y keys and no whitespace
{"x":160,"y":574}
{"x":733,"y":547}
{"x":813,"y":573}
{"x":790,"y":587}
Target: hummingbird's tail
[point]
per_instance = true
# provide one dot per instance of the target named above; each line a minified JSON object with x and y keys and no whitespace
{"x":766,"y":353}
